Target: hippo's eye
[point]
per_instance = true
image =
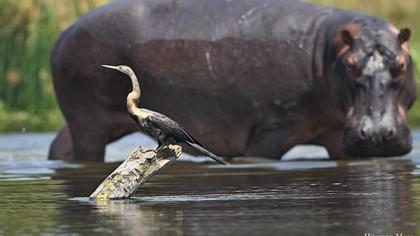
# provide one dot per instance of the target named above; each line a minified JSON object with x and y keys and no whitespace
{"x":399,"y":66}
{"x":352,"y":66}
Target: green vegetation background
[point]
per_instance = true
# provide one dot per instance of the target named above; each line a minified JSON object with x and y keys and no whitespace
{"x":29,"y":28}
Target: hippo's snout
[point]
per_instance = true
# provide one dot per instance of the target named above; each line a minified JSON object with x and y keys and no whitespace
{"x":367,"y":137}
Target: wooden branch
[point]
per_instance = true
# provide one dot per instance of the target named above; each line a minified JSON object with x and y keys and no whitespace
{"x":133,"y":172}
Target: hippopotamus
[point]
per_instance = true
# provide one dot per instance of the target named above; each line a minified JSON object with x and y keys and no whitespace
{"x":246,"y":78}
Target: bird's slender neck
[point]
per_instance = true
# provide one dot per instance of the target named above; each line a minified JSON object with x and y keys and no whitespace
{"x":134,"y":96}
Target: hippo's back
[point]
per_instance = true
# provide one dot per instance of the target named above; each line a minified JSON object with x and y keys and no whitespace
{"x":137,"y":21}
{"x":257,"y":45}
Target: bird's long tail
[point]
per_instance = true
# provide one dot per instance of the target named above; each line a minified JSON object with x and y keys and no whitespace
{"x":208,"y":153}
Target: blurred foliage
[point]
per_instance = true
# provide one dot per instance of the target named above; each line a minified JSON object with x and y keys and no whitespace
{"x":29,"y":28}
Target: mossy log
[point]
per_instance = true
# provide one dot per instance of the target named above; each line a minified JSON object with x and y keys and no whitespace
{"x":133,"y":172}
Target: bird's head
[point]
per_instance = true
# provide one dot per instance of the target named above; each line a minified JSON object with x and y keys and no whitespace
{"x":122,"y":68}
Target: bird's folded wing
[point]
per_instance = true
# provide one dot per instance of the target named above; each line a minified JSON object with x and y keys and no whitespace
{"x":171,"y":128}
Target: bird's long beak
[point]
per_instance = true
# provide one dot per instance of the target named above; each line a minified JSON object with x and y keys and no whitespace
{"x":112,"y":67}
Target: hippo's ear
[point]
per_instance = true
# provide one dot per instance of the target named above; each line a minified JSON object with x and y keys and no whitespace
{"x":404,"y":35}
{"x":347,"y":37}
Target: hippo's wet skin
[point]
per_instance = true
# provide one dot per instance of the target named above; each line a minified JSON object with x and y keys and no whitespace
{"x":249,"y":77}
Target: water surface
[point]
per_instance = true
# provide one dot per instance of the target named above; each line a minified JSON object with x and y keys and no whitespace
{"x":194,"y":197}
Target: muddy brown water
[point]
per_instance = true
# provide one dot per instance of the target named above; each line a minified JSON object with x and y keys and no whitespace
{"x":293,"y":197}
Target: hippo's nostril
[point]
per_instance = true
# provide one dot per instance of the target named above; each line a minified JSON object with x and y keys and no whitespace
{"x":390,"y":132}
